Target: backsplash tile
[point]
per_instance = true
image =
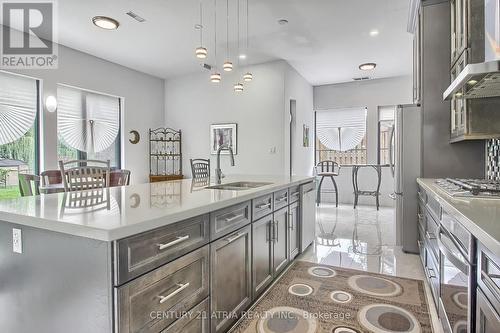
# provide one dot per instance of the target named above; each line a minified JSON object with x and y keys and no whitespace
{"x":493,"y":159}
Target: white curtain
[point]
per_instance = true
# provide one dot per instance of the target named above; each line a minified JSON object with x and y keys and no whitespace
{"x":341,"y":129}
{"x":18,"y":106}
{"x":87,"y":121}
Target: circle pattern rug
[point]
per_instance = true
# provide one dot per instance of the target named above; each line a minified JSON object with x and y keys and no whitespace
{"x":374,"y":285}
{"x":340,"y":296}
{"x":300,"y":289}
{"x":343,"y":329}
{"x":286,"y":320}
{"x":322,"y":272}
{"x":386,"y":318}
{"x":342,"y":301}
{"x":460,"y":299}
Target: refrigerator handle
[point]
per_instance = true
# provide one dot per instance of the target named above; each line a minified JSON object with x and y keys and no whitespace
{"x":391,"y":147}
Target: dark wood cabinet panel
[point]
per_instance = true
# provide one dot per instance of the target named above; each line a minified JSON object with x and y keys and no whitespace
{"x":280,"y":235}
{"x":262,"y":254}
{"x":231,"y":270}
{"x":293,"y":231}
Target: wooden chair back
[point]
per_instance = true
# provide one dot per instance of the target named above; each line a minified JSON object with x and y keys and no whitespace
{"x":29,"y":185}
{"x":119,"y":178}
{"x":49,"y":177}
{"x":79,"y":175}
{"x":200,"y":168}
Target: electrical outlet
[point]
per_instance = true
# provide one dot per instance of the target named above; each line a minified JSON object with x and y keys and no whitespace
{"x":17,"y":241}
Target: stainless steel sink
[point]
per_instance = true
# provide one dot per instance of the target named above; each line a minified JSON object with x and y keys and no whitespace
{"x":237,"y":186}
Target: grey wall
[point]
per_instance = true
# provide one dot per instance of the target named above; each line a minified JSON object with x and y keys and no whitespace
{"x":193,"y":103}
{"x":370,"y":94}
{"x":143,"y":97}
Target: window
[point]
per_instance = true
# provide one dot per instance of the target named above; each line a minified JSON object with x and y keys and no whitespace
{"x":88,"y":125}
{"x":341,"y":135}
{"x":385,"y":126}
{"x":19,"y":109}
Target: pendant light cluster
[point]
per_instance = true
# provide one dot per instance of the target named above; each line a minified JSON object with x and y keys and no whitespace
{"x":201,"y":52}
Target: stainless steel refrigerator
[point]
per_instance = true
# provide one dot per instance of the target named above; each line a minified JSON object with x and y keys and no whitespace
{"x":405,"y":161}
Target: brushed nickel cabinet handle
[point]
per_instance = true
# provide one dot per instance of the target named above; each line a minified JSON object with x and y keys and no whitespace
{"x":277,"y":231}
{"x":235,"y":237}
{"x":282,"y":199}
{"x":290,"y":225}
{"x":430,"y":235}
{"x":430,"y":273}
{"x":264,"y":205}
{"x":181,"y":286}
{"x":234,"y":218}
{"x":179,"y":239}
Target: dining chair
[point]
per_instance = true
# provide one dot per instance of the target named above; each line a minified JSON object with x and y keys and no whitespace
{"x":119,"y":177}
{"x":200,"y":168}
{"x":29,"y":185}
{"x":81,"y":175}
{"x":327,"y":169}
{"x":49,"y":177}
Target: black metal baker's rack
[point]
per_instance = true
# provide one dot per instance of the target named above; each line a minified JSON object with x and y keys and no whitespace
{"x":165,"y":154}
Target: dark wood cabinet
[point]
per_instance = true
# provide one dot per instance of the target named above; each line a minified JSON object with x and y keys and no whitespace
{"x":262,"y":255}
{"x":487,"y":318}
{"x":280,"y":235}
{"x":230,"y":278}
{"x":293,"y":231}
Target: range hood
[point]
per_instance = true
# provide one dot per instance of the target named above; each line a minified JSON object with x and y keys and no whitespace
{"x":476,"y":81}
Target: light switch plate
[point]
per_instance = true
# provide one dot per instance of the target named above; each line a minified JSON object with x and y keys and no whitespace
{"x":17,"y":241}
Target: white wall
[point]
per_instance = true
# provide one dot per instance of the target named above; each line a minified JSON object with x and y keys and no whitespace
{"x":370,"y":94}
{"x":193,"y":103}
{"x":143,"y":97}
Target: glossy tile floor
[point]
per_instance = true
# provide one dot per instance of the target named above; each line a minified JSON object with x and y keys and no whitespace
{"x":363,"y":239}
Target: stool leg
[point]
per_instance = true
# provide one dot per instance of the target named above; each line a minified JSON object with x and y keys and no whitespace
{"x":377,"y":201}
{"x":336,"y":192}
{"x":318,"y":195}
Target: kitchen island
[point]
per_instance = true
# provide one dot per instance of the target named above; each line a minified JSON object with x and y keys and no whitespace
{"x":160,"y":257}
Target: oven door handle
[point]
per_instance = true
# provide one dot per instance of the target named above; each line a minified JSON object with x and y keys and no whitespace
{"x":459,"y":263}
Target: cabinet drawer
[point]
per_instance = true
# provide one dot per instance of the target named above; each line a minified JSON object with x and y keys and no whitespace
{"x":487,"y":316}
{"x":488,"y":275}
{"x":434,"y":207}
{"x":422,"y":195}
{"x":195,"y":320}
{"x":229,"y":219}
{"x":262,"y":206}
{"x":142,"y":253}
{"x":171,"y":289}
{"x":293,"y":194}
{"x":432,"y":274}
{"x":461,"y":235}
{"x":431,"y":234}
{"x":280,"y":199}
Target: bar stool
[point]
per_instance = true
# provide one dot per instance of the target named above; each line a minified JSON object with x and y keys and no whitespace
{"x":358,"y":192}
{"x":328,"y":169}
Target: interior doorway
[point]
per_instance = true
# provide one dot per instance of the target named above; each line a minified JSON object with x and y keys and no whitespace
{"x":293,"y":114}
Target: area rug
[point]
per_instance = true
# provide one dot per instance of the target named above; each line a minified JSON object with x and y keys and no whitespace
{"x":311,"y":298}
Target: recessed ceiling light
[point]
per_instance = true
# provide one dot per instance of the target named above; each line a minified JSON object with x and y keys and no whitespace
{"x":374,"y":32}
{"x":243,"y":56}
{"x":282,"y":22}
{"x":368,"y":66}
{"x":105,"y":22}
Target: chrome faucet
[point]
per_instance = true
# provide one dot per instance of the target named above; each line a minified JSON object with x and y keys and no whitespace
{"x":218,"y":171}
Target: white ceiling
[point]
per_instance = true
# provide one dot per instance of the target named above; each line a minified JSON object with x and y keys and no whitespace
{"x":325,"y":40}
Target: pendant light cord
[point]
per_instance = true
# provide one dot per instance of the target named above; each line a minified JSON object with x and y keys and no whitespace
{"x":215,"y":35}
{"x":201,"y":23}
{"x":238,"y":27}
{"x":227,"y":29}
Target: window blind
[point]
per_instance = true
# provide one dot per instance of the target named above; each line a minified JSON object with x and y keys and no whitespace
{"x":341,"y":129}
{"x":87,"y":121}
{"x":386,"y":113}
{"x":18,"y":106}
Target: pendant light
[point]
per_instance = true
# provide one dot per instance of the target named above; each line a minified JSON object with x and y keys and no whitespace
{"x":201,"y":52}
{"x":228,"y":65}
{"x":215,"y":77}
{"x":248,"y":76}
{"x":238,"y":87}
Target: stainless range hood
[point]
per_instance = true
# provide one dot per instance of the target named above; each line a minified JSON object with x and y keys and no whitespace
{"x":476,"y":81}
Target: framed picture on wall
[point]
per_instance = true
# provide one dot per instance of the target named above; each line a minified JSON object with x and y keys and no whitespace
{"x":221,"y":134}
{"x":305,"y":135}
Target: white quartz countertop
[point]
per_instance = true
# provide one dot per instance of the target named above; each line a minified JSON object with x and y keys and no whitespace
{"x":129,"y":210}
{"x":480,"y":216}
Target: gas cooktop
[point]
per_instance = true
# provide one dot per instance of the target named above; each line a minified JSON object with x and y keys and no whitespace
{"x":474,"y":188}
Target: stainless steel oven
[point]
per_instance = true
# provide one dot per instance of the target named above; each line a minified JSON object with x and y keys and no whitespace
{"x":456,"y":276}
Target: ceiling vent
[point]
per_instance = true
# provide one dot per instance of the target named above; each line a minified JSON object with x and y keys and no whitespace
{"x":136,"y":17}
{"x":363,"y":78}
